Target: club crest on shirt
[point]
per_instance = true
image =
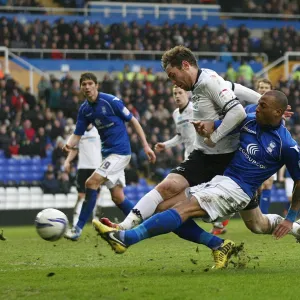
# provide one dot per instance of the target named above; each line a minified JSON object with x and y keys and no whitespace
{"x":271,"y":147}
{"x":98,"y":122}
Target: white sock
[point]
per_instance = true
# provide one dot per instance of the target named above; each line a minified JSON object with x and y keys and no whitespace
{"x":77,"y":210}
{"x":276,"y":219}
{"x":144,"y":209}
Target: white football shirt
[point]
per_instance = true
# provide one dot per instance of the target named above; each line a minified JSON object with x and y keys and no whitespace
{"x":212,"y":97}
{"x":89,"y":155}
{"x":186,"y":133}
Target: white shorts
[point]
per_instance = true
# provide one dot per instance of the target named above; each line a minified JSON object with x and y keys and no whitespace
{"x":289,"y":186}
{"x":112,"y":168}
{"x":221,"y":198}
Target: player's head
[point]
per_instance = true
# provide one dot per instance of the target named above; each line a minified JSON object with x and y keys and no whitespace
{"x":263,"y":85}
{"x":271,"y":107}
{"x":89,"y":86}
{"x":181,"y":66}
{"x":180,"y":96}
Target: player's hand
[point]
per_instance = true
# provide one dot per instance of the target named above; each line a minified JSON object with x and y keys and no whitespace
{"x":67,"y":148}
{"x":288,"y":113}
{"x":209,"y":142}
{"x":204,"y":128}
{"x":282,"y":229}
{"x":67,"y":166}
{"x":151,"y":155}
{"x":160,"y":147}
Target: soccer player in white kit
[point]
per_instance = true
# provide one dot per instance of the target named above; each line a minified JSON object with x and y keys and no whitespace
{"x":89,"y":159}
{"x":182,"y":116}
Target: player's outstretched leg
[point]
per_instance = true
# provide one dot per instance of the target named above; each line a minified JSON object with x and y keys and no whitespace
{"x":111,"y":236}
{"x":222,"y":254}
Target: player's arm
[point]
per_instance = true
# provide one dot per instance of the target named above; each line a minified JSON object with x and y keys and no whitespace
{"x":291,"y":158}
{"x":81,"y":126}
{"x":174,"y":141}
{"x":71,"y":155}
{"x":232,"y":109}
{"x":139,"y":130}
{"x":72,"y":141}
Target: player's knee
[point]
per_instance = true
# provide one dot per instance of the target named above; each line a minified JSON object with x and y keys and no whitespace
{"x":117,"y":198}
{"x":91,"y":183}
{"x":168,"y":188}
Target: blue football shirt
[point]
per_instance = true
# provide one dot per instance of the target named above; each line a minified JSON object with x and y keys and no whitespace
{"x":261,"y":153}
{"x":108,"y":114}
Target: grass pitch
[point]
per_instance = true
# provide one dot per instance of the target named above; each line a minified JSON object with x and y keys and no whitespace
{"x":164,"y":267}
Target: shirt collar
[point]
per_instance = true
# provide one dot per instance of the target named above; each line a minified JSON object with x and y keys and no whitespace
{"x":93,"y":103}
{"x":197,"y":78}
{"x":182,"y":109}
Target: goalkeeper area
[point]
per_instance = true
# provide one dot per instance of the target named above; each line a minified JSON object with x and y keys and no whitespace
{"x":163,"y":267}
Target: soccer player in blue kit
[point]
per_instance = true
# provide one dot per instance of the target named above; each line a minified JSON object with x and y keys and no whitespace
{"x":108,"y":114}
{"x":265,"y":146}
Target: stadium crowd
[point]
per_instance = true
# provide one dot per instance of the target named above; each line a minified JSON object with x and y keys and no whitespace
{"x":122,"y":36}
{"x":39,"y":126}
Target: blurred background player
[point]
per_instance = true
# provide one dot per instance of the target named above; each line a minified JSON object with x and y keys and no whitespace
{"x":182,"y":116}
{"x":108,"y":114}
{"x":89,"y":159}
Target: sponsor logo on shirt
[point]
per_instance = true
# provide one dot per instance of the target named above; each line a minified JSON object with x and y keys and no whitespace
{"x":125,"y":111}
{"x":249,"y":158}
{"x":252,"y":149}
{"x":249,"y":130}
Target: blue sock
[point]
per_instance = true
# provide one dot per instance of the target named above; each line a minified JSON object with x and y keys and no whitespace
{"x":190,"y":231}
{"x":161,"y":223}
{"x":87,"y":206}
{"x":265,"y":201}
{"x":126,"y":206}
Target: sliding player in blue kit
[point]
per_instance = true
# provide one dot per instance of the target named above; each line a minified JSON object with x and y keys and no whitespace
{"x":108,"y":114}
{"x":265,"y":146}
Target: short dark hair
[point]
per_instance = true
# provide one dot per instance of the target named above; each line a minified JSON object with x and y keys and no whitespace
{"x":280,"y":98}
{"x":88,"y":76}
{"x":175,"y":56}
{"x":264,"y":80}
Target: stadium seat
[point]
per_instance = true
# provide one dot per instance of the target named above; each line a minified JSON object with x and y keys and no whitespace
{"x":2,"y":161}
{"x":12,"y":162}
{"x":49,"y":200}
{"x":129,"y":189}
{"x":142,"y":181}
{"x":11,"y":191}
{"x":13,"y":168}
{"x":71,"y":200}
{"x":24,"y":168}
{"x":23,"y":190}
{"x":24,"y":201}
{"x":35,"y":190}
{"x":60,"y":200}
{"x":2,"y":190}
{"x":73,"y":190}
{"x":11,"y":201}
{"x":25,"y":161}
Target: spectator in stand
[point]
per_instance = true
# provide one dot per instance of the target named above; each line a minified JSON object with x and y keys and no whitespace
{"x":4,"y":140}
{"x":55,"y":96}
{"x":64,"y":183}
{"x":245,"y":74}
{"x":44,"y":87}
{"x":58,"y":152}
{"x":50,"y":184}
{"x":28,"y":130}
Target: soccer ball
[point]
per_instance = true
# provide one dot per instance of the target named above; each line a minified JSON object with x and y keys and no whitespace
{"x":51,"y":224}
